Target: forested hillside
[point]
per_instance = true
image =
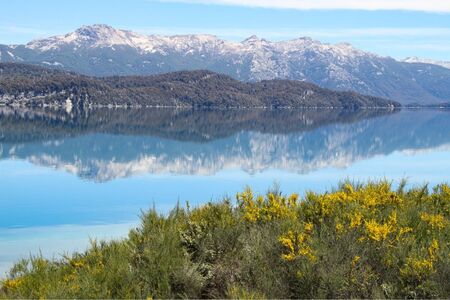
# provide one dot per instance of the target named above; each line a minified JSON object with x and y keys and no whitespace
{"x":27,"y":85}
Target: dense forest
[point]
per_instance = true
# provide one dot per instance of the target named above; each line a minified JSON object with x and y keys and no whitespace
{"x":27,"y":85}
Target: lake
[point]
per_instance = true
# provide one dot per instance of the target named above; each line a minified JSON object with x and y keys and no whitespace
{"x":67,"y":177}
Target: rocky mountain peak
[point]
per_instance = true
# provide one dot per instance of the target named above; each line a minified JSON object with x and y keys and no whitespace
{"x":255,"y":40}
{"x":251,"y":39}
{"x":89,"y":35}
{"x":96,"y":31}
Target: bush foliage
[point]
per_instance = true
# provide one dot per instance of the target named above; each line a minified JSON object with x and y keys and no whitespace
{"x":359,"y":241}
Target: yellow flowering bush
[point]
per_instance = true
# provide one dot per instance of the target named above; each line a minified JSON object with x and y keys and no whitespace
{"x":356,"y":220}
{"x":358,"y":241}
{"x":418,"y":268}
{"x":296,"y":246}
{"x":273,"y":206}
{"x":376,"y":231}
{"x":435,"y":221}
{"x":12,"y":284}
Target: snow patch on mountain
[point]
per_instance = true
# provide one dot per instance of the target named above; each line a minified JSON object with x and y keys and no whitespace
{"x":415,"y":59}
{"x":55,"y":63}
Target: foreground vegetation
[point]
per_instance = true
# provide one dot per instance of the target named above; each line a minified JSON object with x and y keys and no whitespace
{"x":359,"y":241}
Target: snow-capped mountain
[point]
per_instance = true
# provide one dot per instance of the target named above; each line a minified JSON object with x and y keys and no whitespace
{"x":101,"y":50}
{"x":104,"y":36}
{"x":419,"y":60}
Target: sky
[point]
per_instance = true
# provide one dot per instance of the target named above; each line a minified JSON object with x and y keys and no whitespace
{"x":397,"y":28}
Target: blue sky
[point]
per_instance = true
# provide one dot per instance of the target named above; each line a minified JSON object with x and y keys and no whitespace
{"x":397,"y":28}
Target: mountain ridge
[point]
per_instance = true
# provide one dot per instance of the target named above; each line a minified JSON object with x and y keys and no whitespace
{"x":421,"y":60}
{"x":101,"y":50}
{"x":26,"y":85}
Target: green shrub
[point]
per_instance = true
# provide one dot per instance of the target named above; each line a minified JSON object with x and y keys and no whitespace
{"x":359,"y":241}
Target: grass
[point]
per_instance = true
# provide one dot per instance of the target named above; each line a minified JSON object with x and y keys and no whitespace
{"x":358,"y":241}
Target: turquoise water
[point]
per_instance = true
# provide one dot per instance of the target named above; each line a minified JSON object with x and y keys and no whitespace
{"x":68,"y":177}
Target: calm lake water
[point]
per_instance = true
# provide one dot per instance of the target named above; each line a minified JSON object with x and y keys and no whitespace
{"x":68,"y":177}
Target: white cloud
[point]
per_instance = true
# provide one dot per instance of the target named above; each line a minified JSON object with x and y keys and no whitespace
{"x":413,"y":5}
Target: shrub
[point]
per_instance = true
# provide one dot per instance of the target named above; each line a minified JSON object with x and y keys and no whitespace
{"x":359,"y":241}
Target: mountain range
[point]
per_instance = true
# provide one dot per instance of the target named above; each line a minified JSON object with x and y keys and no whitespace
{"x":101,"y":50}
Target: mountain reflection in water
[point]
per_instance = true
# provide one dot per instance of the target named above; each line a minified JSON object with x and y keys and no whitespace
{"x":102,"y":145}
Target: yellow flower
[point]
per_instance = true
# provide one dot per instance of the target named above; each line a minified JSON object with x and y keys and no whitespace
{"x":272,"y":207}
{"x":349,"y":188}
{"x":77,"y":263}
{"x":309,"y":227}
{"x":289,"y":257}
{"x":435,"y":221}
{"x":11,"y":284}
{"x":339,"y":228}
{"x":404,"y":230}
{"x":376,"y":231}
{"x":248,"y":205}
{"x":419,"y":268}
{"x":301,"y":237}
{"x":292,"y":201}
{"x":392,"y":220}
{"x":287,"y":240}
{"x":356,"y":220}
{"x":296,"y":246}
{"x":307,"y":252}
{"x":434,"y":247}
{"x":303,"y":251}
{"x":355,"y":260}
